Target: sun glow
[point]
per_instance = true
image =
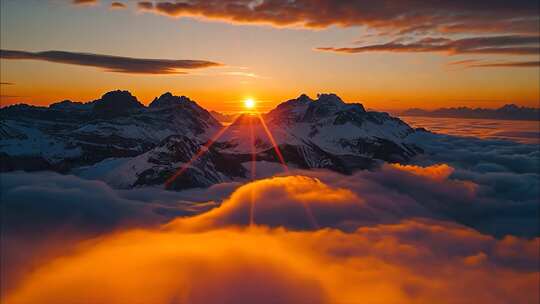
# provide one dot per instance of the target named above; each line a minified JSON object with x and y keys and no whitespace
{"x":249,"y":104}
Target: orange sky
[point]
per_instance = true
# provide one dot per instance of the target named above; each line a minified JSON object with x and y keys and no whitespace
{"x":262,"y":58}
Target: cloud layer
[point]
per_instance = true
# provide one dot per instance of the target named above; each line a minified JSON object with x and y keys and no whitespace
{"x":225,"y":262}
{"x":111,"y":63}
{"x":402,"y":16}
{"x":459,"y":224}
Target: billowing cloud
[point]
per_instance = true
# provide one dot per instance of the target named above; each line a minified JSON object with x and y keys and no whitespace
{"x":459,"y":222}
{"x":412,"y":261}
{"x":402,"y":16}
{"x":509,"y":45}
{"x":111,"y":63}
{"x":47,"y":208}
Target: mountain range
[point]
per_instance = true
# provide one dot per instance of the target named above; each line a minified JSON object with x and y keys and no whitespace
{"x":506,"y":112}
{"x":126,"y":144}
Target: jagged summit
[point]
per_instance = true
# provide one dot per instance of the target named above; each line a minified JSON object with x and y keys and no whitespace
{"x":68,"y":105}
{"x":168,"y":100}
{"x":329,"y":98}
{"x":127,"y":144}
{"x":116,"y":103}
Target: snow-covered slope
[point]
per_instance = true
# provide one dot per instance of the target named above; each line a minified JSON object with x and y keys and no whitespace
{"x":126,"y":144}
{"x":67,"y":134}
{"x":323,"y":133}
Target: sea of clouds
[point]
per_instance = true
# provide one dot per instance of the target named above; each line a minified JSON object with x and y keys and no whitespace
{"x":459,"y":224}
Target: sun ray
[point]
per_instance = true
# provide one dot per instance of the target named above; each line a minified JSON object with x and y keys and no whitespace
{"x":253,"y":148}
{"x":309,"y":213}
{"x":200,"y":153}
{"x":253,"y":174}
{"x":274,"y":144}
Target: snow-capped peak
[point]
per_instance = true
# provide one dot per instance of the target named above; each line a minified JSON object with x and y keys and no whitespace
{"x":329,"y":98}
{"x":168,"y":100}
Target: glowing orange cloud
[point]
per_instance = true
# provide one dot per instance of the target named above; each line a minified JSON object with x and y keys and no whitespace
{"x":256,"y":265}
{"x":301,"y":199}
{"x":437,"y":172}
{"x":222,"y":257}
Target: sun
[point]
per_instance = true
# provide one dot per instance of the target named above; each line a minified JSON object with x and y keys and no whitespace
{"x":249,"y":103}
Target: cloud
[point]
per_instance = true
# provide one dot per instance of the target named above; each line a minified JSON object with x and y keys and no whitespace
{"x":145,"y":5}
{"x":243,"y":74}
{"x":400,"y":17}
{"x":111,"y":63}
{"x":508,"y":44}
{"x":467,"y":209}
{"x":84,"y":2}
{"x":496,"y":64}
{"x":412,"y":261}
{"x":436,"y":172}
{"x":118,"y":5}
{"x":398,"y":229}
{"x":494,"y":203}
{"x":45,"y":208}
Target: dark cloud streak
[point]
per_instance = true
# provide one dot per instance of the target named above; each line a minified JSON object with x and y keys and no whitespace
{"x":506,"y":64}
{"x":508,"y":44}
{"x":111,"y":63}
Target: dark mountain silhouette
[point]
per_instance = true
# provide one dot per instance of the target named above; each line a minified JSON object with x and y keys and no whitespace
{"x":508,"y":112}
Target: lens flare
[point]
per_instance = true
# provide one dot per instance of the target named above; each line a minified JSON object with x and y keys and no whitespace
{"x":198,"y":155}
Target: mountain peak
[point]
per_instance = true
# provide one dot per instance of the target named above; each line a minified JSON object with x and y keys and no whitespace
{"x":168,"y":100}
{"x":115,"y":103}
{"x":330,"y":98}
{"x":304,"y":98}
{"x":326,"y":105}
{"x":291,"y":110}
{"x":68,"y":105}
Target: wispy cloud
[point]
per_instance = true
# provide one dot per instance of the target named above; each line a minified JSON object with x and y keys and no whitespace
{"x":495,"y":64}
{"x":243,"y":74}
{"x":85,"y":2}
{"x":507,"y":44}
{"x":111,"y":63}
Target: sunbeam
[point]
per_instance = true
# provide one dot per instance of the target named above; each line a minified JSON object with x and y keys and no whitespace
{"x":309,"y":213}
{"x":253,"y":174}
{"x":273,"y":141}
{"x":253,"y":148}
{"x":200,"y":153}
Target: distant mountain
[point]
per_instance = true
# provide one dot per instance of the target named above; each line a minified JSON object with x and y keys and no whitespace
{"x":508,"y":112}
{"x":126,"y":144}
{"x":222,"y":117}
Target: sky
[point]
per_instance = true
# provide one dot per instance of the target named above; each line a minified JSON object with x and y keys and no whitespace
{"x":387,"y":55}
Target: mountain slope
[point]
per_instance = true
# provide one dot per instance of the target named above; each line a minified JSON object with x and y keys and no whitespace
{"x":119,"y":140}
{"x":69,"y":135}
